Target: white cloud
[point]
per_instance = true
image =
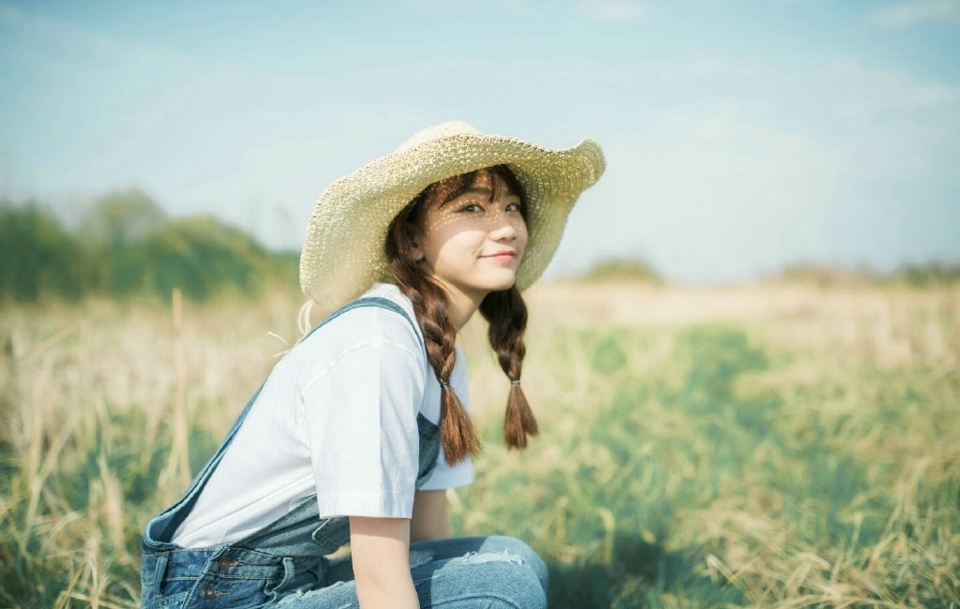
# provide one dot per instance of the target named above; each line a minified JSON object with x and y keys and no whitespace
{"x":881,"y":91}
{"x":715,"y":66}
{"x":914,"y":12}
{"x":936,"y":94}
{"x":39,"y":37}
{"x":613,"y":11}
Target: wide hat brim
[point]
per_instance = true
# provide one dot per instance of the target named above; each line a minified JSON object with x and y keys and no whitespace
{"x":343,"y":250}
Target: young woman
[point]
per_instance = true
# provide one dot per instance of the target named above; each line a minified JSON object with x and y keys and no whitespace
{"x":359,"y":430}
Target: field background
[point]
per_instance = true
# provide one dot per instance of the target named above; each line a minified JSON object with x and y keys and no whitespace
{"x":781,"y":445}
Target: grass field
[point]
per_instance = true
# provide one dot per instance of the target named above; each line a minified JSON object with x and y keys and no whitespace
{"x":774,"y":446}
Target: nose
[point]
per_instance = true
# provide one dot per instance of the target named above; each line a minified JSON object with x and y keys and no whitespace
{"x":503,"y":228}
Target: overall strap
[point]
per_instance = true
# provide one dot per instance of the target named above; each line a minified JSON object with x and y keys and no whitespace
{"x":370,"y":301}
{"x":161,"y":529}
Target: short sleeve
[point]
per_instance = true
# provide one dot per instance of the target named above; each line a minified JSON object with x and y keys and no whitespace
{"x":360,"y":421}
{"x":446,"y":476}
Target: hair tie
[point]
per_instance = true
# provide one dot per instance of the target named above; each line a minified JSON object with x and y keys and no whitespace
{"x":515,"y":382}
{"x":444,"y":385}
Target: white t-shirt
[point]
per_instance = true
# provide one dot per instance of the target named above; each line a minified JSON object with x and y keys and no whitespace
{"x":337,"y":418}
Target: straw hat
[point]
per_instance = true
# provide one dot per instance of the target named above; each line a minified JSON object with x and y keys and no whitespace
{"x":343,"y":250}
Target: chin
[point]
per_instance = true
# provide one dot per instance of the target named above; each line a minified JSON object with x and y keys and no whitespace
{"x":506,"y":284}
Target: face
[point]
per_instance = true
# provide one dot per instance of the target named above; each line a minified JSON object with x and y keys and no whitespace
{"x":473,"y":243}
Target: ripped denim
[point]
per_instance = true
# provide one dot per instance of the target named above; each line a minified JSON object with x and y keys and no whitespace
{"x":459,"y":573}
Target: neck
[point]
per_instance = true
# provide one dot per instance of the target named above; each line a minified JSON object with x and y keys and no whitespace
{"x":462,"y":305}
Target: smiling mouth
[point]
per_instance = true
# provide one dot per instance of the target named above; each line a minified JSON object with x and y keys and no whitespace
{"x":503,"y":256}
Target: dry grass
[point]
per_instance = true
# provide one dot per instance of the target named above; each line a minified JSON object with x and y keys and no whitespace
{"x":768,"y":446}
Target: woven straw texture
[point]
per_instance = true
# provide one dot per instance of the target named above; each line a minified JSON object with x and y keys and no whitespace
{"x":343,"y":249}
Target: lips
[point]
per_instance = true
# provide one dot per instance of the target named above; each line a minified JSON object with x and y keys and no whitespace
{"x":503,"y":256}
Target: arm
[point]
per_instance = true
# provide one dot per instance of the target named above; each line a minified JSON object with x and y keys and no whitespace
{"x":381,"y":562}
{"x":429,"y":516}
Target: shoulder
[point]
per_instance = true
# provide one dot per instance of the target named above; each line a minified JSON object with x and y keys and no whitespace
{"x":389,"y":293}
{"x":385,"y":308}
{"x":382,"y":316}
{"x":374,"y":341}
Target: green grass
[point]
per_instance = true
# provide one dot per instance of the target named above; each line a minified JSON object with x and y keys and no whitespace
{"x":806,"y":461}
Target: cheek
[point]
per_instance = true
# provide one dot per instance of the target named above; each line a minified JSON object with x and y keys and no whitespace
{"x":453,"y":245}
{"x":522,"y":234}
{"x":434,"y":237}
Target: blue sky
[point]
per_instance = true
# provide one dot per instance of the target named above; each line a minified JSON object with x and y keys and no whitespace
{"x":740,"y":136}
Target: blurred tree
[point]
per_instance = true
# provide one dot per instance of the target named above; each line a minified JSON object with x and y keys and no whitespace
{"x":927,"y":275}
{"x":826,"y":276}
{"x":127,"y":247}
{"x":37,"y":257}
{"x":119,"y":219}
{"x":200,"y":255}
{"x":113,"y":226}
{"x":623,"y":269}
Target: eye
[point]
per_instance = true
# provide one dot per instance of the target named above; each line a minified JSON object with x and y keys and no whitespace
{"x":514,"y":207}
{"x":471,"y":208}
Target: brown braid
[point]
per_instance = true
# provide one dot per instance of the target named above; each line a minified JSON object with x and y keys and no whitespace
{"x":507,"y":315}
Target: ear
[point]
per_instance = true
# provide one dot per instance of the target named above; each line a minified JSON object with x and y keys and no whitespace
{"x":414,"y":238}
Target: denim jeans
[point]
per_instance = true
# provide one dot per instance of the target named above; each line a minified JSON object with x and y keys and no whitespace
{"x":459,"y":573}
{"x":283,"y":564}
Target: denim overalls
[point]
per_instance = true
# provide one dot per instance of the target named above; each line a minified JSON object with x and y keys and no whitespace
{"x":281,"y":558}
